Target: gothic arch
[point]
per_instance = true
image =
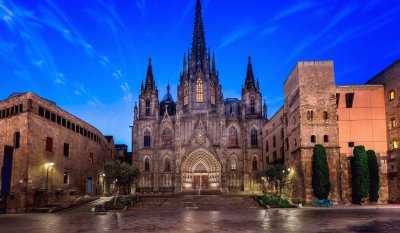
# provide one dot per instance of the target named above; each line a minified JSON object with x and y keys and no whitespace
{"x":201,"y":156}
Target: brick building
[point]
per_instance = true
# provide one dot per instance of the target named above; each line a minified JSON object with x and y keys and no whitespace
{"x":49,"y":154}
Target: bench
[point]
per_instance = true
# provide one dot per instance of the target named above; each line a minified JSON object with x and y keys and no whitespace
{"x":323,"y":203}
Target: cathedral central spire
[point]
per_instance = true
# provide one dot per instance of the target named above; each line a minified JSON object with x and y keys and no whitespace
{"x":150,"y":85}
{"x":199,"y":50}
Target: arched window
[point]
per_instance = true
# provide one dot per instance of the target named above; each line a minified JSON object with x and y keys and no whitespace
{"x":326,"y":138}
{"x":233,"y":164}
{"x":312,"y":115}
{"x":147,"y":108}
{"x":199,"y":90}
{"x":254,"y":163}
{"x":254,"y":140}
{"x":252,"y":105}
{"x":146,"y":138}
{"x":233,"y":137}
{"x":147,"y":164}
{"x":166,"y":137}
{"x":395,"y":145}
{"x":274,"y":142}
{"x":391,"y":95}
{"x":312,"y":138}
{"x":185,"y":93}
{"x":212,"y":92}
{"x":325,"y":115}
{"x":266,"y":146}
{"x":167,"y":165}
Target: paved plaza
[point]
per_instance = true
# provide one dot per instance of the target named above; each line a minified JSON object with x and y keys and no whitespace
{"x":149,"y":218}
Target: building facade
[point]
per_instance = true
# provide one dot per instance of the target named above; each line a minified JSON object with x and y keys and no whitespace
{"x":202,"y":141}
{"x":49,"y":154}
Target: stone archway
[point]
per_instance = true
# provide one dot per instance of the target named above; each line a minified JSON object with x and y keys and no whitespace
{"x":200,"y":170}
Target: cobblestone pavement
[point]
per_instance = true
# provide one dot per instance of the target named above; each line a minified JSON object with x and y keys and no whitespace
{"x":176,"y":217}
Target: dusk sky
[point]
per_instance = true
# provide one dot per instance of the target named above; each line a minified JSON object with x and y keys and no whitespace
{"x":90,"y":56}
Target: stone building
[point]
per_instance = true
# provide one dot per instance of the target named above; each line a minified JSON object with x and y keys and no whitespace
{"x":316,"y":111}
{"x":49,"y":154}
{"x":390,"y":79}
{"x":201,"y":141}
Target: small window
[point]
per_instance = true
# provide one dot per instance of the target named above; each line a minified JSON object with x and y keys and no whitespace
{"x":325,"y":115}
{"x":59,"y":120}
{"x":274,"y":142}
{"x":254,"y":164}
{"x":167,"y":165}
{"x":146,"y":138}
{"x":49,"y":144}
{"x":266,"y":146}
{"x":351,"y":144}
{"x":72,"y":126}
{"x":337,"y":99}
{"x":21,"y":107}
{"x":393,"y":123}
{"x":254,"y":139}
{"x":395,"y":145}
{"x":91,"y":158}
{"x":326,"y":138}
{"x":147,"y":164}
{"x":391,"y":95}
{"x":68,"y":124}
{"x":17,"y":138}
{"x":66,"y":177}
{"x":252,"y":105}
{"x":349,"y":100}
{"x":66,"y":149}
{"x":47,"y":114}
{"x":53,"y":117}
{"x":63,"y":122}
{"x":313,"y":140}
{"x":41,"y":111}
{"x":233,"y":164}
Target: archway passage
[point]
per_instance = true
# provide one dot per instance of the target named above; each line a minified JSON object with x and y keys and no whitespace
{"x":200,"y":171}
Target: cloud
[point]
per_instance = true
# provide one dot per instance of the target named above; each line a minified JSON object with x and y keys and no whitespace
{"x":301,"y":6}
{"x":127,"y":92}
{"x":117,"y":74}
{"x":269,"y":30}
{"x":77,"y":92}
{"x":141,"y":4}
{"x":236,"y":35}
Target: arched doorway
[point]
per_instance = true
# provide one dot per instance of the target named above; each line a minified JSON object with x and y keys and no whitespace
{"x":201,"y":170}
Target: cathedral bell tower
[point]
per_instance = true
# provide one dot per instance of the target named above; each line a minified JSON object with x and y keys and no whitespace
{"x":148,"y":99}
{"x":251,"y":95}
{"x":199,"y":89}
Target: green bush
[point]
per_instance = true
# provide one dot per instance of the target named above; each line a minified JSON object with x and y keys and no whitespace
{"x":373,"y":176}
{"x":360,"y":174}
{"x":320,"y":173}
{"x":274,"y":201}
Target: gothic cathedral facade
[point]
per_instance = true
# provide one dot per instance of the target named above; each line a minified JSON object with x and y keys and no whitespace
{"x":202,"y":141}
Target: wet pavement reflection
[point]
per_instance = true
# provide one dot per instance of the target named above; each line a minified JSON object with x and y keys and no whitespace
{"x":147,"y":220}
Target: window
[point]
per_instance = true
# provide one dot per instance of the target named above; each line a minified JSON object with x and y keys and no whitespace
{"x":212,"y":92}
{"x":167,"y":165}
{"x":147,"y":138}
{"x":393,"y":123}
{"x":91,"y":158}
{"x":310,"y":115}
{"x":63,"y":122}
{"x":266,"y":146}
{"x":41,"y":111}
{"x":47,"y":114}
{"x":281,"y":133}
{"x":349,"y":100}
{"x":325,"y":115}
{"x":166,"y":137}
{"x":252,"y":105}
{"x":351,"y":144}
{"x":66,"y":149}
{"x":254,"y":140}
{"x":326,"y":138}
{"x":53,"y":117}
{"x":395,"y":145}
{"x":147,"y":164}
{"x":66,"y":177}
{"x":313,"y":138}
{"x":337,"y":99}
{"x":68,"y":124}
{"x":391,"y":95}
{"x":185,"y":93}
{"x":233,"y":137}
{"x":233,"y":164}
{"x":59,"y":120}
{"x":274,"y":142}
{"x":147,"y":108}
{"x":254,"y":163}
{"x":295,"y":142}
{"x":49,"y":144}
{"x":17,"y":138}
{"x":199,"y":90}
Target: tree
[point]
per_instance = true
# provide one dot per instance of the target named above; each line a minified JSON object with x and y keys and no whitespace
{"x":278,"y":175}
{"x":373,"y":176}
{"x":320,"y":173}
{"x":121,"y":174}
{"x":360,"y":174}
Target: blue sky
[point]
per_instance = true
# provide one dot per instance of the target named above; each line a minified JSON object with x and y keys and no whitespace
{"x":90,"y":56}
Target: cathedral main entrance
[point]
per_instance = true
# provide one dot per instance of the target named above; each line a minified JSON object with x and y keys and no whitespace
{"x":201,"y":171}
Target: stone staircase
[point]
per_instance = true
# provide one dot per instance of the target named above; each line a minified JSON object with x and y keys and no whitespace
{"x":197,"y":202}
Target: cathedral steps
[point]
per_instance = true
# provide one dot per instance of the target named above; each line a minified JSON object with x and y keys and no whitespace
{"x":197,"y":202}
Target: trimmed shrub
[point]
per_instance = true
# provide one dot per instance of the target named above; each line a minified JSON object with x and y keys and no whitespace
{"x":360,"y":174}
{"x":274,"y":201}
{"x":373,"y":176}
{"x":320,"y":173}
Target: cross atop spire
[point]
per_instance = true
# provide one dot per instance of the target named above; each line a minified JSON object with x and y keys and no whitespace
{"x":199,"y":43}
{"x":150,"y":85}
{"x":249,"y":84}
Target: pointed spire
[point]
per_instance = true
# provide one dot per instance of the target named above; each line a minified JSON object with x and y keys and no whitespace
{"x":168,"y":88}
{"x":258,"y":85}
{"x":265,"y":109}
{"x":142,"y":87}
{"x":150,"y":84}
{"x":184,"y":64}
{"x":249,"y":83}
{"x":213,"y":68}
{"x":198,"y":44}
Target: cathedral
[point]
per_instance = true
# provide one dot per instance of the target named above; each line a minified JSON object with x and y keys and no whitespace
{"x":200,"y":140}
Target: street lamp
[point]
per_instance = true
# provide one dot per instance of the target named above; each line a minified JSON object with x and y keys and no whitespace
{"x":48,"y":167}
